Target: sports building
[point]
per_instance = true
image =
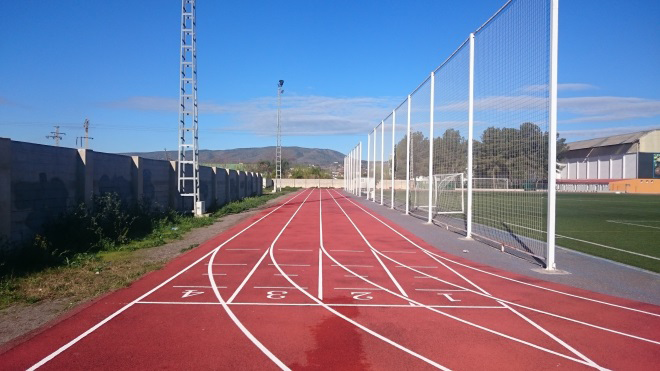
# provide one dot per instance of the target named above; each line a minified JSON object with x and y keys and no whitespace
{"x":626,"y":162}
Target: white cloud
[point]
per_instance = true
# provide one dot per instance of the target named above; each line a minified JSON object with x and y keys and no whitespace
{"x":599,"y":132}
{"x":560,"y":87}
{"x":301,"y":115}
{"x":605,"y":109}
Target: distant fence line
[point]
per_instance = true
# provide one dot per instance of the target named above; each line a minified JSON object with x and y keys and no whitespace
{"x":39,"y":182}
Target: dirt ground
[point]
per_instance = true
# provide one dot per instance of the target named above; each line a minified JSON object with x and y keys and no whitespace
{"x":22,"y":319}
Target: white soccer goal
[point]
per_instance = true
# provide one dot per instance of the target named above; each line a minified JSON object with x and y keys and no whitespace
{"x":449,"y":193}
{"x":490,"y":183}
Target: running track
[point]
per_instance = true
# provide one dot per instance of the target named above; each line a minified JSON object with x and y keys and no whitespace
{"x":319,"y":282}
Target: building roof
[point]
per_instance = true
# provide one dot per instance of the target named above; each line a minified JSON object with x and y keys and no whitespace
{"x":608,"y":141}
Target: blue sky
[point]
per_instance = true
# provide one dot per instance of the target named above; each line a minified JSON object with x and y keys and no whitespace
{"x":346,"y":64}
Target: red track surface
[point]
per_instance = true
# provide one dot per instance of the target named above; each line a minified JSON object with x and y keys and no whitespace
{"x":319,"y":282}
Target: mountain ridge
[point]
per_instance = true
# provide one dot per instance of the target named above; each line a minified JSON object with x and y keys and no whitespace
{"x":251,"y":155}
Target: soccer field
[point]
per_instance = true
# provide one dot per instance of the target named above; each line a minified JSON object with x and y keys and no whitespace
{"x":620,"y":227}
{"x":606,"y":222}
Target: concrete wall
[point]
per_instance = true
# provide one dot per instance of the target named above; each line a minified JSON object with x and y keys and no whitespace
{"x":39,"y":182}
{"x":636,"y":186}
{"x":311,"y":183}
{"x":241,"y":184}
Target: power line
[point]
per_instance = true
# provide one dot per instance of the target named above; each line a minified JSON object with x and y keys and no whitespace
{"x":56,"y":135}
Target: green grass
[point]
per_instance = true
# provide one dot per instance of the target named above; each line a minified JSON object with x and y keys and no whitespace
{"x":587,"y":217}
{"x":595,"y":218}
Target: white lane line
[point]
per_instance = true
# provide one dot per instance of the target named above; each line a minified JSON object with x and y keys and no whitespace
{"x":628,"y":223}
{"x":292,"y":265}
{"x":586,"y":362}
{"x":226,"y":264}
{"x":358,"y":288}
{"x":318,"y":305}
{"x":421,"y":277}
{"x":202,"y":287}
{"x":442,"y":290}
{"x":340,"y":315}
{"x":231,"y":314}
{"x":320,"y":279}
{"x":372,"y":249}
{"x":294,"y":250}
{"x":242,"y":249}
{"x":240,"y":287}
{"x":291,"y":275}
{"x":399,"y":252}
{"x":115,"y":314}
{"x":415,"y":266}
{"x":354,"y":265}
{"x":504,"y":277}
{"x":609,"y":247}
{"x":347,"y":250}
{"x":215,"y":274}
{"x":274,"y":287}
{"x":353,"y":276}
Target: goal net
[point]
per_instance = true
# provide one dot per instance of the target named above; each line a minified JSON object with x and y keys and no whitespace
{"x":449,"y":193}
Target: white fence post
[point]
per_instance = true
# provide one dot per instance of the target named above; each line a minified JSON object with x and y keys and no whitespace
{"x":432,"y":99}
{"x":408,"y":161}
{"x":552,"y":136}
{"x":468,"y":216}
{"x":359,"y":157}
{"x":393,"y":158}
{"x":368,"y":163}
{"x":382,"y":159}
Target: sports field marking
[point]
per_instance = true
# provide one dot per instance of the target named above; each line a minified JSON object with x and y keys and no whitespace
{"x":273,"y":287}
{"x":355,"y":265}
{"x":513,"y":280}
{"x":241,"y":249}
{"x":585,"y":359}
{"x":122,"y":309}
{"x":215,"y":274}
{"x":201,"y":287}
{"x":443,"y":290}
{"x":415,"y":266}
{"x":340,"y":315}
{"x":294,"y":250}
{"x":500,"y":276}
{"x":348,"y":250}
{"x":293,"y":265}
{"x":249,"y":275}
{"x":634,"y":224}
{"x":414,"y":302}
{"x":292,"y":275}
{"x":353,"y":276}
{"x":317,"y":305}
{"x":357,"y":288}
{"x":400,"y":252}
{"x":231,"y":314}
{"x":320,"y":278}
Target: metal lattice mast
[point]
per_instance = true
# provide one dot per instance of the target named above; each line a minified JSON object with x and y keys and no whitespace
{"x":188,"y":165}
{"x":57,"y":135}
{"x":278,"y":146}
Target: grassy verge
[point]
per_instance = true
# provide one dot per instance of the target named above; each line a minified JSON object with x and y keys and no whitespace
{"x":106,"y":266}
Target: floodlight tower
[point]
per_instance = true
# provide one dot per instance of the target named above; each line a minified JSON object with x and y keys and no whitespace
{"x":188,"y":160}
{"x":278,"y":145}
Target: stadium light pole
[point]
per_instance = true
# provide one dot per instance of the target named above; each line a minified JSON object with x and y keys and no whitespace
{"x":552,"y":135}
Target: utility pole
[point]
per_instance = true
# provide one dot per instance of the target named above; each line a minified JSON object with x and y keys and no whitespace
{"x":86,"y":137}
{"x":56,"y":135}
{"x":278,"y":146}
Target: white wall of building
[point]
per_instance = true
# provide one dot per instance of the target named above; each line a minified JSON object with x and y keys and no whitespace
{"x":602,"y":167}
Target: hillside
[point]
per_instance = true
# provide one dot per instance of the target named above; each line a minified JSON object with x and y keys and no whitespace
{"x":295,"y":155}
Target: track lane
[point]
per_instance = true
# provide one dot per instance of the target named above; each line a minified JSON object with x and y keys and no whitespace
{"x":639,"y":325}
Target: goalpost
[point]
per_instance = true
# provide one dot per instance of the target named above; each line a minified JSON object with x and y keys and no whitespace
{"x":449,"y":193}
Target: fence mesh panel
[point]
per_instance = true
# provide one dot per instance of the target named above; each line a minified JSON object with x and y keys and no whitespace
{"x":378,"y":165}
{"x":511,"y":121}
{"x":387,"y":160}
{"x":420,"y":114}
{"x":450,"y":132}
{"x":400,"y":159}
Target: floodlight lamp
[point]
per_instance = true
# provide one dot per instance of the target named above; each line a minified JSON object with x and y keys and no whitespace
{"x":281,"y":83}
